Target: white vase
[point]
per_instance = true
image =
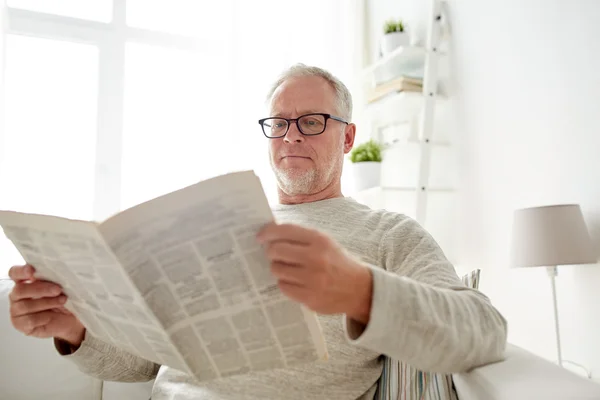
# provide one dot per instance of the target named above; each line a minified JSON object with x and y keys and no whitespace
{"x":367,"y":174}
{"x":391,"y":41}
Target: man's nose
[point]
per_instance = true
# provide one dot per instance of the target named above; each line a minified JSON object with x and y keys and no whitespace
{"x":294,"y":134}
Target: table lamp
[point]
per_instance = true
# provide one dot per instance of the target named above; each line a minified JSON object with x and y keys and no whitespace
{"x":549,"y":236}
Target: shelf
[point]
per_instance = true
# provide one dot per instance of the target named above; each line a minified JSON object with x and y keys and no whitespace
{"x":406,"y":189}
{"x":413,"y":140}
{"x":403,"y":58}
{"x":397,"y":107}
{"x":413,"y":189}
{"x":403,"y":94}
{"x":396,"y":96}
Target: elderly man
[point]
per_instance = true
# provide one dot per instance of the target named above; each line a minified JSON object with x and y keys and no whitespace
{"x":378,"y":281}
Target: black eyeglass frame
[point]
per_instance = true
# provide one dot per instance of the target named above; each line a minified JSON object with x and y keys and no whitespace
{"x":295,"y":120}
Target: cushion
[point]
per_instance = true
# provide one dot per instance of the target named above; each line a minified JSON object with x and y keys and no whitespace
{"x":471,"y":279}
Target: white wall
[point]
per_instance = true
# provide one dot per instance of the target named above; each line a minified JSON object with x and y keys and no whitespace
{"x":529,"y":90}
{"x":527,"y":97}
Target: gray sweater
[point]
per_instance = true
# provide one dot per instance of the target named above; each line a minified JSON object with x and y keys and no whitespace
{"x":421,"y":314}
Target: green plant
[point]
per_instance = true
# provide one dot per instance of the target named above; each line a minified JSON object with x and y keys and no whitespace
{"x":368,"y":151}
{"x":389,"y":27}
{"x":393,"y":26}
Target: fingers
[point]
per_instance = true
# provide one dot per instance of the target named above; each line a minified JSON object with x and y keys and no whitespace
{"x":287,"y":252}
{"x":36,"y":290}
{"x":30,"y":322}
{"x":21,"y":272}
{"x":289,"y":273}
{"x":63,"y":310}
{"x":294,"y":292}
{"x":289,"y":232}
{"x":30,"y":306}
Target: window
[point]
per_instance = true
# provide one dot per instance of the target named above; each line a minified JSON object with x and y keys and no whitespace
{"x":178,"y":121}
{"x":50,"y":128}
{"x":184,"y":17}
{"x":97,"y":10}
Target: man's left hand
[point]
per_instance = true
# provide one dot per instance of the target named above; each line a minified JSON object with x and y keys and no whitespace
{"x":313,"y":269}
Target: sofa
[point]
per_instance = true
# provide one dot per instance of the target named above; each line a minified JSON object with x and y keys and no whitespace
{"x":30,"y":369}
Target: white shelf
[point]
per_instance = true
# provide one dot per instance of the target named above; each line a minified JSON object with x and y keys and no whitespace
{"x":412,"y":140}
{"x":412,"y":189}
{"x":395,"y":108}
{"x":404,"y":189}
{"x":407,"y":56}
{"x":397,"y":96}
{"x":415,"y":167}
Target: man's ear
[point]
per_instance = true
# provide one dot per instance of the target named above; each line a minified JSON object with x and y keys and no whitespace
{"x":349,"y":135}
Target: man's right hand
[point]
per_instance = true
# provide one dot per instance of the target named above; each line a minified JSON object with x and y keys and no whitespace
{"x":37,"y":308}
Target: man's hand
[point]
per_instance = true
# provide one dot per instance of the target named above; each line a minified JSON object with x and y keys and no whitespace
{"x":316,"y":271}
{"x":36,"y":308}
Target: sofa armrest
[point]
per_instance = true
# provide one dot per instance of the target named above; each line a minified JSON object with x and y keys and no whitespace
{"x":524,"y":376}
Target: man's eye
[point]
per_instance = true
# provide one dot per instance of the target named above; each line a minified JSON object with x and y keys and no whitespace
{"x":313,"y":123}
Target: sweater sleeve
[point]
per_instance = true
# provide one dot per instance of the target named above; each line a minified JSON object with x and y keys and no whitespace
{"x":422,"y":314}
{"x":104,"y":361}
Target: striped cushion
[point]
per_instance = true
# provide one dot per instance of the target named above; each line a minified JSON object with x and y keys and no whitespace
{"x":402,"y":382}
{"x":472,"y":279}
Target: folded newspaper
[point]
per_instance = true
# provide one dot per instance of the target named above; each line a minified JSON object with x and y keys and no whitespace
{"x":179,"y":280}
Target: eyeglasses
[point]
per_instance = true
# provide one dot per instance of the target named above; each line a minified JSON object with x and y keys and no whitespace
{"x":308,"y":125}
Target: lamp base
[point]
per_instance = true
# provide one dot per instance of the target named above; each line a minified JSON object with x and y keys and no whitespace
{"x":552,"y":273}
{"x":588,"y":373}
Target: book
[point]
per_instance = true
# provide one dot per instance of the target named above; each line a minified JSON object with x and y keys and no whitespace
{"x":179,"y":280}
{"x":400,"y":84}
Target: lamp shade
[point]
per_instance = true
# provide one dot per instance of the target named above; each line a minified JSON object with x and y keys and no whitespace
{"x":550,"y":236}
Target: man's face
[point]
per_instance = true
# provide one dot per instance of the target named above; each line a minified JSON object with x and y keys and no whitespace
{"x":308,"y":164}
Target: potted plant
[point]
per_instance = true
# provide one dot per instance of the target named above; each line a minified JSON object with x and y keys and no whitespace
{"x":366,"y":159}
{"x":394,"y":36}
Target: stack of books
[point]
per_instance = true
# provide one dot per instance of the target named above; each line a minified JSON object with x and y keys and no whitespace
{"x":400,"y":84}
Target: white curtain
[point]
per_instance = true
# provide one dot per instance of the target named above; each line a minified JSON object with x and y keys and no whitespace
{"x":174,"y":116}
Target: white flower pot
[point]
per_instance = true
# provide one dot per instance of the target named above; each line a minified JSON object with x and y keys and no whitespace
{"x":366,"y":174}
{"x":391,"y":41}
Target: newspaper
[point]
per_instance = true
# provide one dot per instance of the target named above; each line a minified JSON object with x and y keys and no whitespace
{"x":179,"y":280}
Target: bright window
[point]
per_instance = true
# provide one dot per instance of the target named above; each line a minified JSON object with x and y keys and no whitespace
{"x":96,"y":10}
{"x":177,"y":122}
{"x":185,"y":17}
{"x":50,"y":127}
{"x":50,"y":130}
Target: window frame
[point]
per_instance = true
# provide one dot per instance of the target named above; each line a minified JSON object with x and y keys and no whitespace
{"x":110,"y":38}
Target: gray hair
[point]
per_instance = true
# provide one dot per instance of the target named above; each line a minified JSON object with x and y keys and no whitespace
{"x":342,"y":94}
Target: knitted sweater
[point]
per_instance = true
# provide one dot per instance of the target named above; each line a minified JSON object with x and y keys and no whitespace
{"x":421,"y":314}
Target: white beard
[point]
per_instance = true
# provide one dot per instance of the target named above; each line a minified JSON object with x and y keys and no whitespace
{"x":295,"y":181}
